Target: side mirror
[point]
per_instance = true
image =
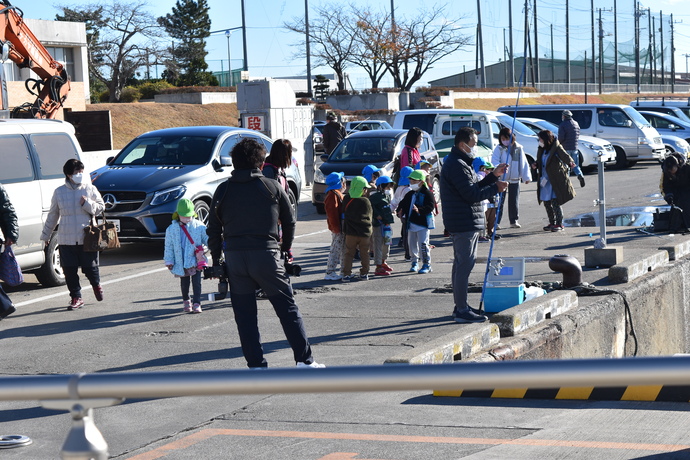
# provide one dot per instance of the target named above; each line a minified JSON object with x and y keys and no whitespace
{"x":109,"y":160}
{"x":672,"y":127}
{"x":628,"y":123}
{"x":324,"y":157}
{"x":225,"y":161}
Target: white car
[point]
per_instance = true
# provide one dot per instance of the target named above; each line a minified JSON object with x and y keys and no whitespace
{"x":590,"y":148}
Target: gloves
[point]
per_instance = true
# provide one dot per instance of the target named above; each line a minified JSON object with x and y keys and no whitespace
{"x":581,"y":178}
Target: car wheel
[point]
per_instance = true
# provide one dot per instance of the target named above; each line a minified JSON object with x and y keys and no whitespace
{"x":202,"y":210}
{"x":669,"y":150}
{"x":621,"y":159}
{"x":50,"y":274}
{"x":436,"y":184}
{"x":320,"y":208}
{"x":293,"y":201}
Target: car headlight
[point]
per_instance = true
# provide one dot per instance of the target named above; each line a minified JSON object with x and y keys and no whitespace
{"x":164,"y":196}
{"x":319,"y":177}
{"x":592,"y":146}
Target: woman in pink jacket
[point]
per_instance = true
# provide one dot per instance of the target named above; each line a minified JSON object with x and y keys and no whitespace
{"x":409,"y":156}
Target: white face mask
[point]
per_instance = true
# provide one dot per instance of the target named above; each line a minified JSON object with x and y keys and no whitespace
{"x":506,"y":143}
{"x":541,"y":144}
{"x":389,"y":193}
{"x":414,"y":187}
{"x":79,"y":178}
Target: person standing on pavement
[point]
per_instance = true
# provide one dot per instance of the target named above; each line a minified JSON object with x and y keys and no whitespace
{"x":10,"y":232}
{"x":418,"y":207}
{"x":569,"y":136}
{"x":508,"y":151}
{"x":243,"y":223}
{"x":409,"y":155}
{"x":463,"y":216}
{"x":277,"y":161}
{"x":357,"y":216}
{"x":74,"y":205}
{"x":333,"y":204}
{"x":554,"y":188}
{"x":382,"y":218}
{"x":333,"y":133}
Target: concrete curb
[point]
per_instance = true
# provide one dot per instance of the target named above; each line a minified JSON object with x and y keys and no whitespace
{"x":468,"y":340}
{"x":517,"y":319}
{"x":677,"y":251}
{"x":628,"y":271}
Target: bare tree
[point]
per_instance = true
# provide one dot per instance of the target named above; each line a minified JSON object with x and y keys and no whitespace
{"x":371,"y":31}
{"x":331,"y":37}
{"x":125,"y":40}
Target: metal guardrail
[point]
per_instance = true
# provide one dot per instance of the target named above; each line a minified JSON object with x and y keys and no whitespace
{"x":81,"y":393}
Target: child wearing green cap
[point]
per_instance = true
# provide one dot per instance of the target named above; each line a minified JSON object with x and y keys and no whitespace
{"x":357,"y":215}
{"x":185,"y":239}
{"x":417,"y":207}
{"x":380,"y":200}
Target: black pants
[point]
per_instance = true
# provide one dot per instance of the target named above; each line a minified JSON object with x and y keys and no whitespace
{"x":195,"y":281}
{"x":252,"y":269}
{"x":71,"y":258}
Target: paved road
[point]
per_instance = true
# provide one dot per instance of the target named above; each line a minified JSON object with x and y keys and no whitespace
{"x":140,"y":327}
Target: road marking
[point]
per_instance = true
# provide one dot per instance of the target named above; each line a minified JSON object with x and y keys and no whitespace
{"x":205,"y":434}
{"x":125,"y":278}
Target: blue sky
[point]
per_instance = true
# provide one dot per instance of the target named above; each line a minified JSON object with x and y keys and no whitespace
{"x":270,"y":52}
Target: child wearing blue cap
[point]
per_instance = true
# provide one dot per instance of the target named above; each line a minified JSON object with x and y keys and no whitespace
{"x":381,"y":223}
{"x":333,"y":205}
{"x":371,"y":173}
{"x":400,"y":192}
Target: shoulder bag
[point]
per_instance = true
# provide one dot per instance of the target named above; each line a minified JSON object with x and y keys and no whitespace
{"x":99,"y":237}
{"x":10,"y":272}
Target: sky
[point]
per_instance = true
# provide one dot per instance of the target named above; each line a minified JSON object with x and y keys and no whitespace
{"x":271,"y":54}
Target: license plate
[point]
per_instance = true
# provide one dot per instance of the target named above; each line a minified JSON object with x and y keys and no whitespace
{"x":114,"y":221}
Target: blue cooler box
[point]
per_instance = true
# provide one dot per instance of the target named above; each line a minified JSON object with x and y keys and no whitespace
{"x":505,"y":286}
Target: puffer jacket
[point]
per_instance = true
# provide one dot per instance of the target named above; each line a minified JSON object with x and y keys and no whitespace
{"x":179,"y":252}
{"x":558,"y":170}
{"x":8,"y":217}
{"x":72,"y":216}
{"x":462,"y":193}
{"x":569,"y":134}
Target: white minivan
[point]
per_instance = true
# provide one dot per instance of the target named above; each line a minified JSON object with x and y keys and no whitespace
{"x":33,"y":153}
{"x":631,"y":135}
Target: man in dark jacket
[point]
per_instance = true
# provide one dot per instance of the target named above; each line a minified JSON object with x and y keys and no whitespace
{"x":245,"y":213}
{"x":333,"y":133}
{"x":568,"y":137}
{"x":10,"y":231}
{"x":461,"y":194}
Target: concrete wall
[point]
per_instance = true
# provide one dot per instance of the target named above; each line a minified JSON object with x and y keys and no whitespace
{"x":378,"y":101}
{"x":197,"y":98}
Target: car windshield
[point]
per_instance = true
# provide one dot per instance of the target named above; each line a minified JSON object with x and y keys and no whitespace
{"x":515,"y":125}
{"x":364,"y":150}
{"x":167,"y":151}
{"x":636,"y":117}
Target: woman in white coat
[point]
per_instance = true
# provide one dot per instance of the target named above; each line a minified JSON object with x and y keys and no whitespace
{"x":511,"y":153}
{"x":74,"y":205}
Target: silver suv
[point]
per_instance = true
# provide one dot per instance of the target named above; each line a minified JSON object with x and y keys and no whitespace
{"x":141,"y":185}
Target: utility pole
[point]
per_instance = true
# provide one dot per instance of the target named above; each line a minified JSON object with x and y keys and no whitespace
{"x":654,"y":67}
{"x":661,"y":29}
{"x":615,"y":41}
{"x":686,"y":64}
{"x":527,"y":44}
{"x":505,"y":59}
{"x":594,"y":60}
{"x":481,"y":45}
{"x":245,"y":67}
{"x":673,"y":59}
{"x":650,"y":50}
{"x":306,"y":30}
{"x":601,"y":54}
{"x":536,"y":43}
{"x":553,"y":63}
{"x":510,"y":41}
{"x":637,"y":48}
{"x":567,"y":42}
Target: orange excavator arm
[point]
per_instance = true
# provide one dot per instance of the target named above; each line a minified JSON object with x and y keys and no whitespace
{"x":20,"y":45}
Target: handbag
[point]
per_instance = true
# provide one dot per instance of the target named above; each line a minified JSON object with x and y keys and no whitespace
{"x":10,"y":272}
{"x":99,"y":237}
{"x":201,"y":259}
{"x":6,"y":305}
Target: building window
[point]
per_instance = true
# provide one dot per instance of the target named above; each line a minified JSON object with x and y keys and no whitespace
{"x":66,"y":57}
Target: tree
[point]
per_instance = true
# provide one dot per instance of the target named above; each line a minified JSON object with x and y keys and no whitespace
{"x":371,"y":31}
{"x":321,"y":87}
{"x":332,"y":39}
{"x":113,"y":28}
{"x":189,"y":24}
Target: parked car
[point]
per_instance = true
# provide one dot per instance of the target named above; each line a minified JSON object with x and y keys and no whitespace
{"x":376,"y":147}
{"x":33,"y":153}
{"x":317,"y":137}
{"x":364,"y":125}
{"x":141,"y":185}
{"x":675,"y":144}
{"x":668,"y":124}
{"x":676,"y":106}
{"x":629,"y":216}
{"x":590,"y":148}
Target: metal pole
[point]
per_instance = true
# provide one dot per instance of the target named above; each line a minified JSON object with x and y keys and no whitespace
{"x":594,"y":60}
{"x":481,"y":45}
{"x":601,"y":242}
{"x":637,"y":48}
{"x":228,"y":34}
{"x":615,"y":40}
{"x":661,"y":29}
{"x":308,"y":49}
{"x":673,"y":59}
{"x":536,"y":44}
{"x":584,"y":67}
{"x":567,"y":44}
{"x":510,"y":42}
{"x":601,"y":54}
{"x":245,"y":66}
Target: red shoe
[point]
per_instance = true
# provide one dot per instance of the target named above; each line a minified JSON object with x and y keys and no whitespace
{"x":380,"y":271}
{"x":387,"y":267}
{"x":98,"y":292}
{"x":76,"y":303}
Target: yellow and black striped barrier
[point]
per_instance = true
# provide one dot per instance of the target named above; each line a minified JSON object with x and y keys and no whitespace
{"x":670,"y":393}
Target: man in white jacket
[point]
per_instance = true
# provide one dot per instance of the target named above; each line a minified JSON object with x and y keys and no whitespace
{"x":511,"y":153}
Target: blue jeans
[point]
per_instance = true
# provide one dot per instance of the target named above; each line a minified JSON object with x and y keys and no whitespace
{"x":576,"y":159}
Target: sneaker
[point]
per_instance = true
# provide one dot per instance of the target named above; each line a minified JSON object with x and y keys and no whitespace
{"x":387,"y":267}
{"x":333,"y":276}
{"x":426,"y":268}
{"x":364,"y":277}
{"x":408,"y":257}
{"x":469,"y":316}
{"x":380,"y":271}
{"x":446,"y":233}
{"x":75,"y":304}
{"x":496,"y":237}
{"x":557,"y":228}
{"x":187,"y":306}
{"x":98,"y":292}
{"x":414,"y":267}
{"x":498,"y":227}
{"x":483,"y":239}
{"x":549,"y":227}
{"x":313,"y":365}
{"x":515,"y":224}
{"x":196,"y":308}
{"x":347,"y":278}
{"x":581,"y":178}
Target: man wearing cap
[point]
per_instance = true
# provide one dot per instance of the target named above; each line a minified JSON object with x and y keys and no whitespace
{"x":244,"y":217}
{"x":333,"y":133}
{"x":357,"y":227}
{"x":568,"y":137}
{"x":461,"y":194}
{"x":335,"y":184}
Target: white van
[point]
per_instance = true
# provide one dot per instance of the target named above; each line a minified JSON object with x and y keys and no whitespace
{"x":33,"y":153}
{"x":443,"y":124}
{"x":631,"y":135}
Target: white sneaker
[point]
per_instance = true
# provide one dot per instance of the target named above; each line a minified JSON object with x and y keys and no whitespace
{"x":313,"y":365}
{"x":516,"y":225}
{"x":333,"y":276}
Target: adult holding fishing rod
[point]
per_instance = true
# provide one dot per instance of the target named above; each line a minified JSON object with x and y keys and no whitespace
{"x":461,"y":194}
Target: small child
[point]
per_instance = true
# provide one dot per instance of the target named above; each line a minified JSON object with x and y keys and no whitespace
{"x":184,"y":256}
{"x":382,"y":218}
{"x":400,"y":192}
{"x":482,"y":168}
{"x":418,"y":205}
{"x":371,"y":173}
{"x":426,"y":167}
{"x":357,"y":226}
{"x":333,"y":205}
